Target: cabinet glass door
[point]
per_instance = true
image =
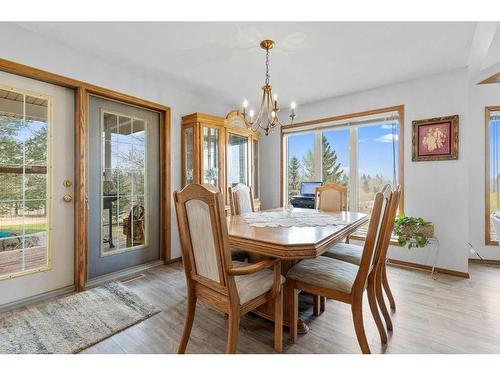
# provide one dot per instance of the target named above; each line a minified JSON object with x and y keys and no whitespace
{"x":256,"y":168}
{"x":210,"y":156}
{"x":189,"y":155}
{"x":237,"y":159}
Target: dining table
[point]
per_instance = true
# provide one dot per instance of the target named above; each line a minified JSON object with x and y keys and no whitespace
{"x":290,"y":235}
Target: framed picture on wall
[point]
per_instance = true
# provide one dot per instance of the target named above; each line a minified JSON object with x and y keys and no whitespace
{"x":435,"y":139}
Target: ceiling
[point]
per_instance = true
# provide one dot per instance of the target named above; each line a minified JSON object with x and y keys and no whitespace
{"x":311,"y":60}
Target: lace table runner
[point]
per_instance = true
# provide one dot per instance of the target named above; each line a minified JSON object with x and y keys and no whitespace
{"x":291,"y":219}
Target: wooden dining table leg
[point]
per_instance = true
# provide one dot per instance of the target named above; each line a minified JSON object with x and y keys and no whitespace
{"x":267,"y":310}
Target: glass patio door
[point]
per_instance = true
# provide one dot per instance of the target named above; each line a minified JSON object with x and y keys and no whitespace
{"x":36,"y":188}
{"x":124,"y":186}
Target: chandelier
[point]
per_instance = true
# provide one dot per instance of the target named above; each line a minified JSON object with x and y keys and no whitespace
{"x":267,"y":118}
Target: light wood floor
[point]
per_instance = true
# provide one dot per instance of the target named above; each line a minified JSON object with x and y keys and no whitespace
{"x":447,"y":315}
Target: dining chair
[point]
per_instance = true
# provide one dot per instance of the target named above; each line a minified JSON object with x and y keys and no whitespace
{"x":343,"y":281}
{"x":331,"y":197}
{"x":233,"y":288}
{"x":240,"y":199}
{"x":353,"y":253}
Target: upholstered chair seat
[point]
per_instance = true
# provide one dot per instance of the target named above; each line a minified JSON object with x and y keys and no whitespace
{"x":255,"y":284}
{"x":346,"y":282}
{"x":325,"y":272}
{"x":346,"y":252}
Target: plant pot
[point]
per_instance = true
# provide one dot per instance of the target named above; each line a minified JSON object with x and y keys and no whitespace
{"x":427,"y":231}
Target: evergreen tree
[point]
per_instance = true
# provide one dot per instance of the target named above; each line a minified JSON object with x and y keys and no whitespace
{"x":332,"y":169}
{"x":308,"y":165}
{"x":294,"y":177}
{"x":344,"y":180}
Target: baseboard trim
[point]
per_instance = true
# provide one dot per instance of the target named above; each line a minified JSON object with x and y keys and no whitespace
{"x":493,"y":262}
{"x":39,"y":297}
{"x":174,"y":260}
{"x":424,"y":267}
{"x":126,"y":273}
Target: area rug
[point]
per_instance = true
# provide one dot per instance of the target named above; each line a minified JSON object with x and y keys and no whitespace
{"x":72,"y":323}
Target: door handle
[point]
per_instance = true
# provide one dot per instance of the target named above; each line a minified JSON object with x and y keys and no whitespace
{"x":67,"y":198}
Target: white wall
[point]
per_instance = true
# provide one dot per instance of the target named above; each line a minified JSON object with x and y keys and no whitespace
{"x":437,"y":191}
{"x":22,"y":46}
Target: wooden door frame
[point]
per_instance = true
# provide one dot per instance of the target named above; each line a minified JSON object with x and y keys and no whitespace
{"x":487,"y":234}
{"x":82,"y":90}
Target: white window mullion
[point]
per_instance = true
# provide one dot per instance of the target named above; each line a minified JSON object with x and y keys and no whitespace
{"x":353,"y":170}
{"x":318,"y":162}
{"x":286,"y":159}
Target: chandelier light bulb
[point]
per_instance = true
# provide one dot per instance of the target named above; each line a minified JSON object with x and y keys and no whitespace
{"x":245,"y":103}
{"x":275,"y":97}
{"x":251,"y":113}
{"x":273,"y":114}
{"x":293,"y":105}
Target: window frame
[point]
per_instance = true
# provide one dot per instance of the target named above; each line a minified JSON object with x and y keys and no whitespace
{"x":49,"y":161}
{"x":487,"y":233}
{"x":353,"y":133}
{"x":145,"y":195}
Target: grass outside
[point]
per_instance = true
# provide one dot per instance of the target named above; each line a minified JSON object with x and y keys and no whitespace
{"x":29,"y":228}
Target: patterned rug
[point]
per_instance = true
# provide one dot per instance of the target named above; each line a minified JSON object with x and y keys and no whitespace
{"x":72,"y":323}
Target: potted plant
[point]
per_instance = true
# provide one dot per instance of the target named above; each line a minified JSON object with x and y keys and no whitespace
{"x":413,"y":231}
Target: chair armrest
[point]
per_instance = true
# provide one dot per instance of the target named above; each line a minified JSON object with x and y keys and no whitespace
{"x":252,"y":268}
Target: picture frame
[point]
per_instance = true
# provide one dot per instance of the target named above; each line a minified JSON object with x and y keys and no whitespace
{"x":435,"y":139}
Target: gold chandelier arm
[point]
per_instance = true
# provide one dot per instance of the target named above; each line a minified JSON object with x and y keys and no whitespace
{"x":267,"y":103}
{"x":258,"y":120}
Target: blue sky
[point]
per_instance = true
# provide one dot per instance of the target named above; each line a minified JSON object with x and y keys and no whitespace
{"x":494,"y":139}
{"x":374,"y":150}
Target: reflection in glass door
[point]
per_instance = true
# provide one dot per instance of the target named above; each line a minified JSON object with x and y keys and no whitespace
{"x":124,"y":167}
{"x":237,"y":159}
{"x":124,"y":186}
{"x":211,"y":156}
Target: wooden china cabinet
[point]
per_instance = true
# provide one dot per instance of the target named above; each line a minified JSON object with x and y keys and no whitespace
{"x":220,"y":151}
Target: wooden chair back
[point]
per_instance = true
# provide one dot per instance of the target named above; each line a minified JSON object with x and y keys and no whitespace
{"x":331,"y":197}
{"x":240,"y":199}
{"x":372,"y":241}
{"x":379,"y":242}
{"x":204,"y":238}
{"x":388,"y":227}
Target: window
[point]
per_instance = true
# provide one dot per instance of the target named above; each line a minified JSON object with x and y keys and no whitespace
{"x":123,"y":200}
{"x":361,"y":153}
{"x":24,"y":199}
{"x":377,"y":161}
{"x":492,"y":175}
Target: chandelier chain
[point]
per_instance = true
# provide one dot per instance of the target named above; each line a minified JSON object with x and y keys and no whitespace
{"x":267,"y":66}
